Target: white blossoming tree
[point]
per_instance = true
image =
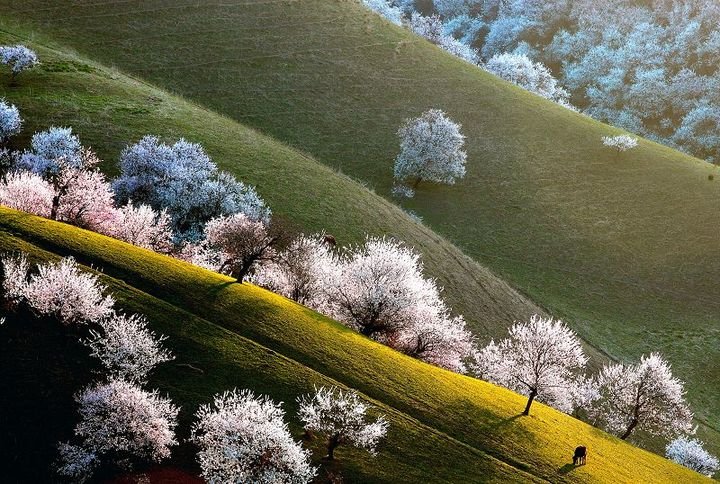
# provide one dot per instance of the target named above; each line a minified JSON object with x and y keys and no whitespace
{"x":57,"y":289}
{"x":341,"y":417}
{"x":542,"y":359}
{"x":691,"y":454}
{"x":126,"y":348}
{"x":379,"y":287}
{"x":120,"y":424}
{"x":10,"y":121}
{"x":18,"y":57}
{"x":244,"y":438}
{"x":241,"y":242}
{"x":304,"y":272}
{"x":643,"y":396}
{"x":620,"y":143}
{"x":431,"y":149}
{"x":380,"y":291}
{"x":46,"y":147}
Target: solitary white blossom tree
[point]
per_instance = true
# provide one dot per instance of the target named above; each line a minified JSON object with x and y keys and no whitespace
{"x":304,"y":272}
{"x":57,"y":289}
{"x":431,"y":148}
{"x":120,"y":423}
{"x":691,"y":454}
{"x":10,"y":121}
{"x":620,"y":143}
{"x":244,"y":438}
{"x":541,"y":359}
{"x":18,"y":57}
{"x":642,"y":396}
{"x":341,"y":416}
{"x":241,"y":242}
{"x":126,"y":348}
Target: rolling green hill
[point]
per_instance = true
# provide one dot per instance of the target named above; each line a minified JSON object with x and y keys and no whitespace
{"x":624,"y":247}
{"x":444,"y":427}
{"x":109,"y":111}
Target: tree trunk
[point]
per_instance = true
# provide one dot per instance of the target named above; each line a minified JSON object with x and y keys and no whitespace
{"x":533,"y":394}
{"x":55,"y":206}
{"x":629,"y":430}
{"x":416,"y":182}
{"x":332,"y":444}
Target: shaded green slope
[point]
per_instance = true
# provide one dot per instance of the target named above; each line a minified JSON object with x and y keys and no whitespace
{"x":109,"y":111}
{"x":467,"y":410}
{"x":625,"y":247}
{"x":44,"y":366}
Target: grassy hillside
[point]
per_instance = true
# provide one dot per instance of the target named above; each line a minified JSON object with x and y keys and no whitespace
{"x":39,"y":381}
{"x":624,"y":247}
{"x":109,"y":111}
{"x":443,"y":425}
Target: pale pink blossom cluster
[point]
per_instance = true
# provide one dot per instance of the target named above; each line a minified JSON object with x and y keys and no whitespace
{"x":57,"y":289}
{"x":376,"y":288}
{"x":120,"y":422}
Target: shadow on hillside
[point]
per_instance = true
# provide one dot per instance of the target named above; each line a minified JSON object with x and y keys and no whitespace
{"x":500,"y":434}
{"x":566,"y":468}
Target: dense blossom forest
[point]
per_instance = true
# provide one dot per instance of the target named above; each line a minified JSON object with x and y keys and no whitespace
{"x":646,"y":66}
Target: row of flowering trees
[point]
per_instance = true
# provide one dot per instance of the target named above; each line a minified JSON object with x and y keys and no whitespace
{"x":241,"y":437}
{"x":543,"y":359}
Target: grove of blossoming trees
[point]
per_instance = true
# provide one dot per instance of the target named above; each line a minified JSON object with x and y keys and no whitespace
{"x":648,"y":67}
{"x":120,"y":422}
{"x":175,"y":201}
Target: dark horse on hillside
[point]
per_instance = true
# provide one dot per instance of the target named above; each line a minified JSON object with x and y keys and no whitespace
{"x":579,"y":456}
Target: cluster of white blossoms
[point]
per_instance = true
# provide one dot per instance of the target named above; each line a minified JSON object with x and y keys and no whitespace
{"x":341,"y":417}
{"x":18,"y":57}
{"x":244,"y":438}
{"x":620,"y":143}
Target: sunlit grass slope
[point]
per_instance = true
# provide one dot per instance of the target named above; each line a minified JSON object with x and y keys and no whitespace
{"x":625,"y":247}
{"x":43,"y":368}
{"x":108,"y":111}
{"x":443,"y":424}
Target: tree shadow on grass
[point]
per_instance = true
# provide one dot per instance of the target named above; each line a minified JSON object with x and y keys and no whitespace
{"x":566,"y":468}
